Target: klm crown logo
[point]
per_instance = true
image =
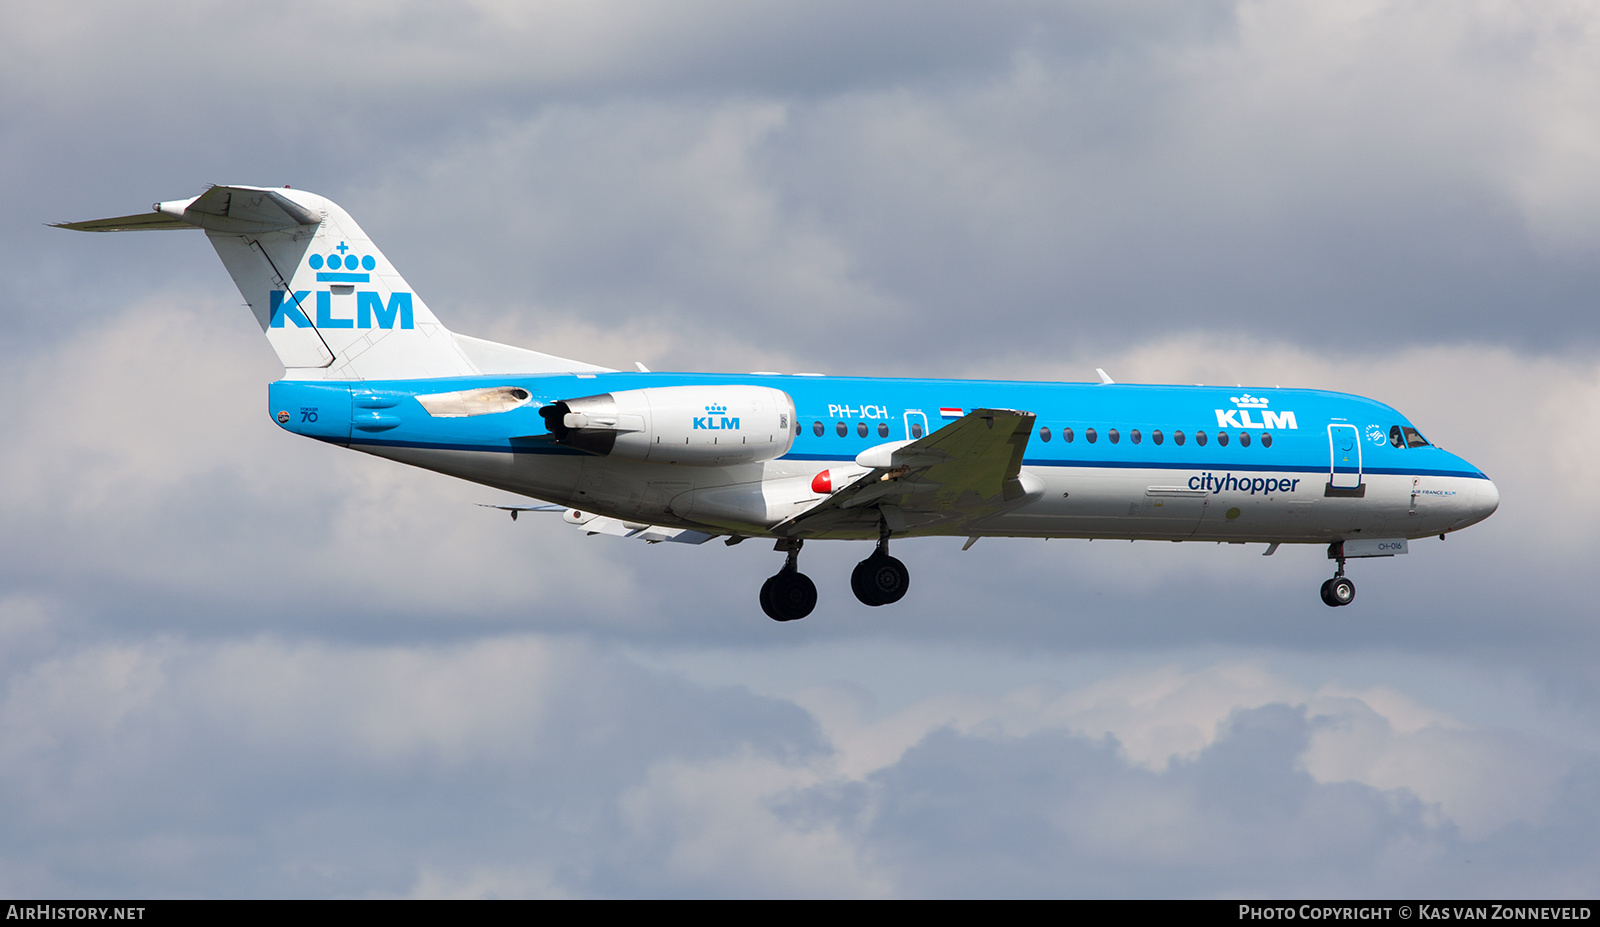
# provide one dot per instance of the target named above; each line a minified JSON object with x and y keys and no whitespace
{"x":1248,"y":401}
{"x":341,"y":266}
{"x":716,"y":419}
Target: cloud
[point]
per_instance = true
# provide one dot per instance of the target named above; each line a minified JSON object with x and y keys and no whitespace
{"x":525,"y":764}
{"x":848,"y":186}
{"x":190,"y":765}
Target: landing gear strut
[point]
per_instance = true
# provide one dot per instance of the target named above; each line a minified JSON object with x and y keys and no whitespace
{"x":788,"y":594}
{"x":1339,"y":590}
{"x":880,"y":579}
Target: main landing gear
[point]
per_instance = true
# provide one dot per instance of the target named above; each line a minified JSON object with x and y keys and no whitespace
{"x":789,"y":594}
{"x":880,"y":579}
{"x":1339,"y":590}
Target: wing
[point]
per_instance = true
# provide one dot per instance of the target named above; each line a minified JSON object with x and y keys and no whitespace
{"x":593,"y":524}
{"x":966,"y":471}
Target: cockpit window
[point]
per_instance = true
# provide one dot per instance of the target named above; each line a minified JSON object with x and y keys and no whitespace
{"x":1406,"y":436}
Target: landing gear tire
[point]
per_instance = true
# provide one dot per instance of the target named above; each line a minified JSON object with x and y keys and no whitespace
{"x":788,"y":596}
{"x":880,"y":580}
{"x":1338,"y":591}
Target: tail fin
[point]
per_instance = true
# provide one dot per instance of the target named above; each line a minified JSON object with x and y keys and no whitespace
{"x":330,"y":303}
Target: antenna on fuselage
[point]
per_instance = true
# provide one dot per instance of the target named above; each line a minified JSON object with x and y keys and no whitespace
{"x":1105,"y":378}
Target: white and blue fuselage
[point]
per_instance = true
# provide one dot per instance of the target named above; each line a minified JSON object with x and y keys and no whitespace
{"x":1111,"y":461}
{"x":687,"y":457}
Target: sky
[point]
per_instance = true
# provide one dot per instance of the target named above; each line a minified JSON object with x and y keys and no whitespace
{"x":234,"y":663}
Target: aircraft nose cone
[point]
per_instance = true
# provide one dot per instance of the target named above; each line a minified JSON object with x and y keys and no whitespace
{"x":1485,"y":500}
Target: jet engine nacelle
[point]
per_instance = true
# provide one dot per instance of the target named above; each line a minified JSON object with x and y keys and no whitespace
{"x":701,"y":425}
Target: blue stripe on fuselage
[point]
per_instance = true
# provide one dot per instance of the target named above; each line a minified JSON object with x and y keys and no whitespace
{"x":855,"y":400}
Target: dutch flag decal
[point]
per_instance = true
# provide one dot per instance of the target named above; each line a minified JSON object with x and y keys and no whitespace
{"x":949,"y":413}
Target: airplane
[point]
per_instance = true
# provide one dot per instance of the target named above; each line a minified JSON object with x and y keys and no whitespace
{"x":688,"y":457}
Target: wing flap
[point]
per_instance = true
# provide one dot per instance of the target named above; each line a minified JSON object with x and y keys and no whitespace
{"x":593,"y":524}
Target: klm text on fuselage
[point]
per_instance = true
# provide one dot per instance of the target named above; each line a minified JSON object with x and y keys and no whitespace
{"x":1240,"y":418}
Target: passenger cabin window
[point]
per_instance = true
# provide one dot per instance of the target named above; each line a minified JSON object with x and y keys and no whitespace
{"x":1200,"y":438}
{"x":1066,"y":435}
{"x":1266,"y":439}
{"x":861,"y":429}
{"x":1089,"y":435}
{"x":1156,"y":436}
{"x":1222,"y":439}
{"x":1244,"y":439}
{"x":1134,"y":436}
{"x":842,"y":429}
{"x":883,"y":429}
{"x":1112,"y":434}
{"x":916,"y":429}
{"x":816,"y":429}
{"x":1044,"y":434}
{"x":1177,"y":438}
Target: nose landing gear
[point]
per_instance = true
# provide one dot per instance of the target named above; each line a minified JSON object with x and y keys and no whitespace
{"x":789,"y":594}
{"x":1339,"y":590}
{"x":880,"y":579}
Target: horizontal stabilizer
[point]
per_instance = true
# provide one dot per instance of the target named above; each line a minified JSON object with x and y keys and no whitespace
{"x":231,"y":210}
{"x":144,"y":221}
